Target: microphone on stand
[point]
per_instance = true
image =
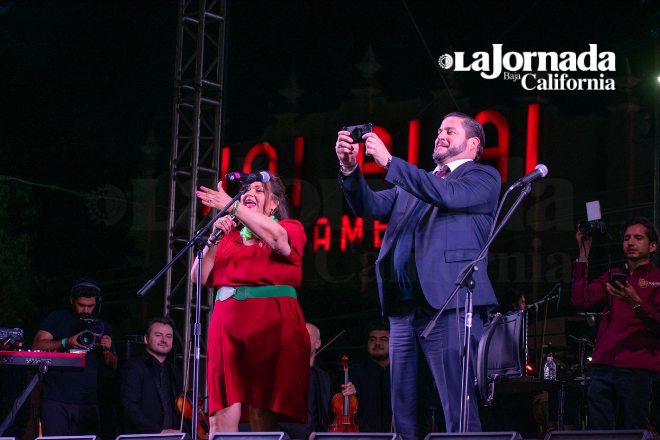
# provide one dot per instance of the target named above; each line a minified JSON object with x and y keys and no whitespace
{"x":539,"y":172}
{"x":261,"y":176}
{"x":558,"y":296}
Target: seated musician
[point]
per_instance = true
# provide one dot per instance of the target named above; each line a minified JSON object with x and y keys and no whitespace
{"x":320,"y":396}
{"x":69,"y":405}
{"x":371,"y":379}
{"x":150,"y":384}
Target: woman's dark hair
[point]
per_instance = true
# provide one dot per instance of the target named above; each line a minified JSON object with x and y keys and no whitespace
{"x":276,"y":189}
{"x":651,"y":232}
{"x":85,"y":288}
{"x":166,"y":320}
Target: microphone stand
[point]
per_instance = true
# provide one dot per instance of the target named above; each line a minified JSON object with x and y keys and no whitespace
{"x":538,"y":357}
{"x":200,"y":243}
{"x":465,"y":279}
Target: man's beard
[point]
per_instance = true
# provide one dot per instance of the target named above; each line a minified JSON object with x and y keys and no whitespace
{"x":636,"y":258}
{"x":379,"y":357}
{"x":442,"y":159}
{"x":161,"y":350}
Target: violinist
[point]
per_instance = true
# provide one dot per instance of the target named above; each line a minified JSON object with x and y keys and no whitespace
{"x":320,"y":395}
{"x":149,"y":384}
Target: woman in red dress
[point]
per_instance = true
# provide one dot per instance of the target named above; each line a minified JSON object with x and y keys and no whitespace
{"x":258,"y":351}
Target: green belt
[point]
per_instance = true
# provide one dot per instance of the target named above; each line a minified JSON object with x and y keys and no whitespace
{"x":243,"y":292}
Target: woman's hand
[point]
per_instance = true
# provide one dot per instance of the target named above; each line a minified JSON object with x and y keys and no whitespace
{"x":213,"y":199}
{"x":226,"y":224}
{"x":347,"y":148}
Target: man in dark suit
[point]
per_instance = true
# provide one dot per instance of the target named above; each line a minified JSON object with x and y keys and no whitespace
{"x":437,"y":223}
{"x":150,"y":384}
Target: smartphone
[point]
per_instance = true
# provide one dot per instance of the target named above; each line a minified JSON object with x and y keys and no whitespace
{"x":620,"y":277}
{"x":357,"y":131}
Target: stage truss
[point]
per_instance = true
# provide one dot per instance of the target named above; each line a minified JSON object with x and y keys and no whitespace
{"x":196,"y":135}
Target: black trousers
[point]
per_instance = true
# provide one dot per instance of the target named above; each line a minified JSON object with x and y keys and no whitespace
{"x":59,"y":419}
{"x":619,"y":397}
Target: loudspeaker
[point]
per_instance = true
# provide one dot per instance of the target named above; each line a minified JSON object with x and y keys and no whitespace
{"x":511,"y":435}
{"x":637,"y":434}
{"x":355,"y":436}
{"x":502,"y":350}
{"x":70,"y":437}
{"x":168,"y":436}
{"x":248,"y":436}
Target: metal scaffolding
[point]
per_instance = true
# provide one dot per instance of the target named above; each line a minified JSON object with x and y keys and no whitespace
{"x":195,"y":150}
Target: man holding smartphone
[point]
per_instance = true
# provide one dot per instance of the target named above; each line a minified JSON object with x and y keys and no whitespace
{"x":627,"y":351}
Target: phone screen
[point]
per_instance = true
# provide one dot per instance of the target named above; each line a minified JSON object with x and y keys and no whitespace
{"x":620,"y":277}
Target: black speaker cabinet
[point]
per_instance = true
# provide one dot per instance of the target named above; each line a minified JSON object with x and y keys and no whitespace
{"x":640,"y":434}
{"x":168,"y":436}
{"x":355,"y":436}
{"x":510,"y":435}
{"x":248,"y":436}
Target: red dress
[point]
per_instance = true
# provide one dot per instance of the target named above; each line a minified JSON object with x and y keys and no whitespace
{"x":258,"y":351}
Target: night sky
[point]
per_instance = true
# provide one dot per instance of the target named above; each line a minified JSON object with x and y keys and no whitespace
{"x":86,"y":92}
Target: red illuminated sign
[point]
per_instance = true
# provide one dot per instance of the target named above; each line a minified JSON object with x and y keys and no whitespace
{"x":353,"y":233}
{"x":501,"y":151}
{"x":318,"y":240}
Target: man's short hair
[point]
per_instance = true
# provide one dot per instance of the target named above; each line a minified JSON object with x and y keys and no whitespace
{"x":651,"y":232}
{"x":86,"y":288}
{"x":472,"y":129}
{"x":380,"y":324}
{"x":166,"y":320}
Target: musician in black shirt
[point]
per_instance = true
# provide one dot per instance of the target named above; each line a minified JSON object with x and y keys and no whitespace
{"x":371,"y":379}
{"x":69,"y":404}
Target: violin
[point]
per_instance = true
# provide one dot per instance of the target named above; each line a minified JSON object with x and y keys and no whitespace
{"x":183,"y":405}
{"x":344,"y":407}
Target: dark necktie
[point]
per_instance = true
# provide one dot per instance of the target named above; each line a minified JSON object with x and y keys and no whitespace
{"x":442,"y":172}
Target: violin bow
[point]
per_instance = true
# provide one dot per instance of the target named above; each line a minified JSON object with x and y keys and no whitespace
{"x":333,"y":340}
{"x":185,"y":388}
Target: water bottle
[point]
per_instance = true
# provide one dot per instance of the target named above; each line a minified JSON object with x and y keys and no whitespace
{"x":550,"y":369}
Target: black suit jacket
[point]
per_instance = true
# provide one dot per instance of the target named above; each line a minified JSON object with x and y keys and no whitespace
{"x":459,"y":213}
{"x":141,"y":401}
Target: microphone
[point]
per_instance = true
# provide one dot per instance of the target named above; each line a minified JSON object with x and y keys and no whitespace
{"x":540,"y":171}
{"x":558,"y":296}
{"x":214,"y":237}
{"x":261,"y":176}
